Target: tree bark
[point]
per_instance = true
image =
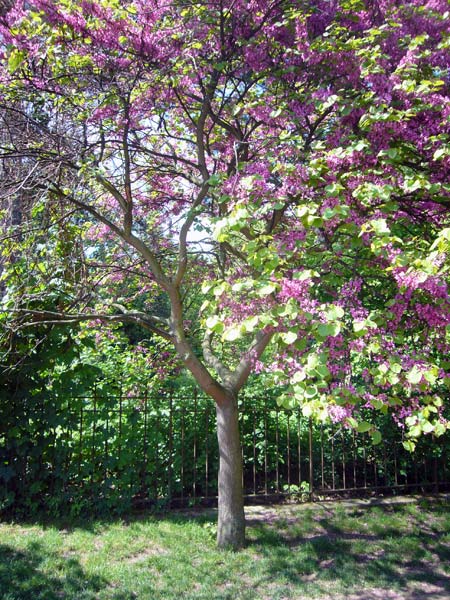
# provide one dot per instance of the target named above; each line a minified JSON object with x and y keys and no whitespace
{"x":231,"y":521}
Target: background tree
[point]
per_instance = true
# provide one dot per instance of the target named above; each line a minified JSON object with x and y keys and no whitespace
{"x":306,"y":143}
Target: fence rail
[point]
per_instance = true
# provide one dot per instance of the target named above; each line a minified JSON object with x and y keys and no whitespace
{"x":111,"y":447}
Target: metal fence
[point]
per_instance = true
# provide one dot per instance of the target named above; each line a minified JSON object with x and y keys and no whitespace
{"x":164,"y":449}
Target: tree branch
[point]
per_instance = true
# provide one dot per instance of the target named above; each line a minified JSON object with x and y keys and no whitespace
{"x":211,"y":359}
{"x":254,"y":352}
{"x":46,"y":317}
{"x":182,"y":253}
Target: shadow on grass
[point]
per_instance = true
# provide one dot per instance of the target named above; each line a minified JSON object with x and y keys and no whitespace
{"x":23,"y":576}
{"x":403,"y":561}
{"x":335,"y":554}
{"x":91,"y":523}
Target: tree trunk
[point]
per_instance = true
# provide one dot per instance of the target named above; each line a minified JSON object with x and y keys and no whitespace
{"x":231,"y":522}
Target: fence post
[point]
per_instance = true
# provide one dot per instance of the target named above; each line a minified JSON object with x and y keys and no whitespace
{"x":395,"y":465}
{"x":277,"y":437}
{"x":311,"y":466}
{"x":322,"y":458}
{"x":242,"y":434}
{"x":344,"y":462}
{"x":194,"y":486}
{"x":145,"y":447}
{"x":80,"y":451}
{"x":94,"y":429}
{"x":107,"y":470}
{"x":119,"y":450}
{"x":288,"y":441}
{"x":254,"y":450}
{"x":299,"y":445}
{"x":170,"y":465}
{"x":183,"y":408}
{"x":206,"y":449}
{"x":435,"y":474}
{"x":365,"y":464}
{"x":265,"y":445}
{"x":333,"y":468}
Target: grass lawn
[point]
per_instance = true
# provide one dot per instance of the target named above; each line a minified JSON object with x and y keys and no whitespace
{"x":345,"y":551}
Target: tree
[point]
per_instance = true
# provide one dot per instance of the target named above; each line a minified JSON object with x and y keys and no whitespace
{"x":288,"y":159}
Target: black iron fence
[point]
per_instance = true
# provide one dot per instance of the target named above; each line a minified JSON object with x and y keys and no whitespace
{"x":111,"y":450}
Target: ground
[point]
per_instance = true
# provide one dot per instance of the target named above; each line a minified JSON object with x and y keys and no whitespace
{"x":396,"y":549}
{"x":423,"y":579}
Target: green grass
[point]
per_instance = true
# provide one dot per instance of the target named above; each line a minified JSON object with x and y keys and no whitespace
{"x":323,"y":551}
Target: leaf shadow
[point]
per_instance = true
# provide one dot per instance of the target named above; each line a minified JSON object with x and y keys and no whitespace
{"x":24,"y":576}
{"x":347,"y":559}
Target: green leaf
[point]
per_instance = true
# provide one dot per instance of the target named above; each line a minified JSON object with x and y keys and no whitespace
{"x":267,"y":289}
{"x":16,"y":58}
{"x":322,"y":371}
{"x":352,"y":422}
{"x":364,"y":426}
{"x":232,"y":334}
{"x":214,"y":324}
{"x":393,"y":378}
{"x":214,"y":180}
{"x":298,"y":376}
{"x":427,"y":427}
{"x":334,"y":313}
{"x":360,"y":327}
{"x":380,"y":226}
{"x":220,"y":289}
{"x":288,"y":337}
{"x":431,"y":375}
{"x":304,"y":275}
{"x":239,"y":286}
{"x":414,"y":376}
{"x":377,"y":404}
{"x":251,"y":323}
{"x":395,"y":367}
{"x":307,"y":409}
{"x":290,"y":309}
{"x":314,"y":221}
{"x":285,"y":401}
{"x":440,"y":153}
{"x":415,"y":431}
{"x":376,"y":437}
{"x":329,"y":329}
{"x":412,"y":184}
{"x":439,"y":429}
{"x":311,"y":391}
{"x":204,"y":306}
{"x":312,"y":362}
{"x":409,"y":445}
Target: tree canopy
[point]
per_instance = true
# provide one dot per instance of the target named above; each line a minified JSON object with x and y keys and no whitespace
{"x":280,"y":165}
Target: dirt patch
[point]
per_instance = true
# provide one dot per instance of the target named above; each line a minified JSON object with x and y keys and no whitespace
{"x":375,"y":594}
{"x":422,"y":591}
{"x":263,"y":512}
{"x":282,"y":515}
{"x":153,"y":550}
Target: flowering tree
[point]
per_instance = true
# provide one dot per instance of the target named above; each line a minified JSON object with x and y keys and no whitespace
{"x":289,"y":159}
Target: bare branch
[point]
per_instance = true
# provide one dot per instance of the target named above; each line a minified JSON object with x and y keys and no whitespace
{"x":182,"y":254}
{"x":46,"y":317}
{"x":253,"y":353}
{"x":212,"y":360}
